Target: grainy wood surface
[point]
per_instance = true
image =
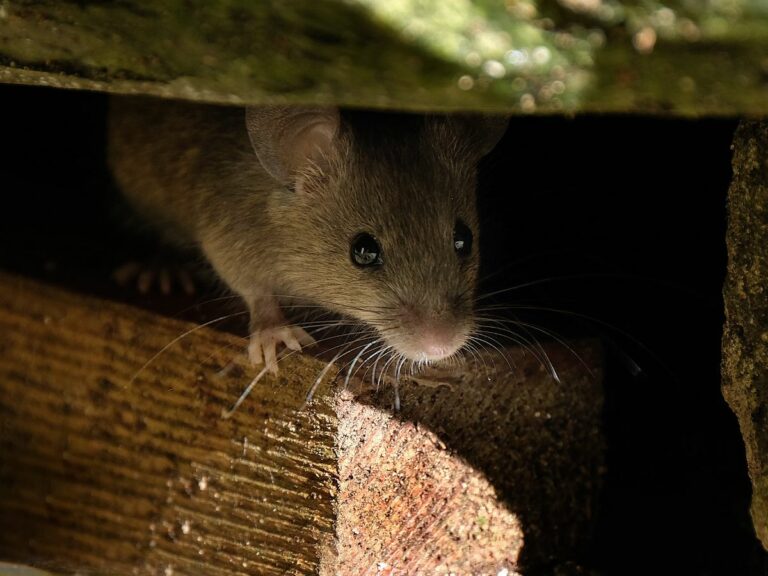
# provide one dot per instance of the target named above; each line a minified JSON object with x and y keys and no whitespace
{"x":487,"y":468}
{"x":101,"y":472}
{"x":495,"y":468}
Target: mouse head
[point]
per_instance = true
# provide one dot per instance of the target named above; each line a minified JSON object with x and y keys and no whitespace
{"x":384,"y":209}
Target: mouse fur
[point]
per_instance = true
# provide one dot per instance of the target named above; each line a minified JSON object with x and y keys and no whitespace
{"x":275,"y":198}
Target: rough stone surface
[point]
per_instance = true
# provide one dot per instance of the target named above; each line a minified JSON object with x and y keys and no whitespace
{"x":518,"y":55}
{"x":745,"y":339}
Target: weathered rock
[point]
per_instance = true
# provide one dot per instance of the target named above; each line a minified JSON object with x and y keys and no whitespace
{"x":548,"y":55}
{"x":745,"y":339}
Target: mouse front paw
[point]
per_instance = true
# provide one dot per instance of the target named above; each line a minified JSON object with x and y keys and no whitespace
{"x":262,"y":348}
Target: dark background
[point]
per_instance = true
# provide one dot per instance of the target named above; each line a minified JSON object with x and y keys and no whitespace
{"x":617,"y":222}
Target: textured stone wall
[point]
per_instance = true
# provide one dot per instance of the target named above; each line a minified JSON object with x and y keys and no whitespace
{"x":679,"y":57}
{"x":745,"y":340}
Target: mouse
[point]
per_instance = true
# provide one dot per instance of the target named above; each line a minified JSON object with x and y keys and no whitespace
{"x":370,"y":215}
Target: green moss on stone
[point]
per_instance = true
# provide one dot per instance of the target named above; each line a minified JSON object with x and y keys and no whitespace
{"x":517,"y":55}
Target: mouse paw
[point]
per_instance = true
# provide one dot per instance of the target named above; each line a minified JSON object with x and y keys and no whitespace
{"x":262,"y":349}
{"x":147,"y":276}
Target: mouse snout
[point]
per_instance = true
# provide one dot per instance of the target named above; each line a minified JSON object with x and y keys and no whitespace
{"x":437,"y":340}
{"x":431,"y":336}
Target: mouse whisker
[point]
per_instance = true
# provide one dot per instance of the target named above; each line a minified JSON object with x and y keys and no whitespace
{"x":400,"y":364}
{"x":353,"y":346}
{"x":178,"y":338}
{"x":318,"y":380}
{"x":529,"y":342}
{"x":387,"y":349}
{"x":287,"y":353}
{"x":457,"y":359}
{"x":519,"y":339}
{"x":537,"y":343}
{"x":613,"y":328}
{"x":548,"y":333}
{"x":248,"y":389}
{"x":360,"y":336}
{"x":369,"y":358}
{"x":386,"y":355}
{"x":328,"y":304}
{"x":379,"y":343}
{"x":226,"y":414}
{"x":319,"y":326}
{"x":495,"y":346}
{"x":529,"y":284}
{"x":478,"y":358}
{"x":352,"y":366}
{"x":361,"y":333}
{"x":393,"y":357}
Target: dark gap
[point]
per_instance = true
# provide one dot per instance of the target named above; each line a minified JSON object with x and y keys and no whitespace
{"x":623,"y":216}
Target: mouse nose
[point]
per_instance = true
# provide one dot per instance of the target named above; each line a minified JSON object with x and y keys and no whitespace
{"x":427,"y":333}
{"x":437,"y":338}
{"x":437,"y":341}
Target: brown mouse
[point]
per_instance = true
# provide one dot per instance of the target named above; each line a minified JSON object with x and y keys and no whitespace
{"x":370,"y":215}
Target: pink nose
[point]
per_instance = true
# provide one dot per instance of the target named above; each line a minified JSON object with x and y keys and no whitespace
{"x":437,"y":340}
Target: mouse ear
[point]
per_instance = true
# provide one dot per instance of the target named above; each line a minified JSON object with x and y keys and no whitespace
{"x":477,"y":134}
{"x":489,"y":129}
{"x":288,"y":138}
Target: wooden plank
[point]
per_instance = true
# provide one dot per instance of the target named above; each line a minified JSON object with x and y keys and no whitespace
{"x":493,"y":469}
{"x":119,"y":470}
{"x":112,"y":474}
{"x":19,"y":570}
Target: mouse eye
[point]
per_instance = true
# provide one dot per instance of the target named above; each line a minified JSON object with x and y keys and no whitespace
{"x":462,"y":239}
{"x":366,"y":251}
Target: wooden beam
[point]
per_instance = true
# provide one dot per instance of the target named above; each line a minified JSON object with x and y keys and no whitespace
{"x":100,"y":471}
{"x":117,"y":466}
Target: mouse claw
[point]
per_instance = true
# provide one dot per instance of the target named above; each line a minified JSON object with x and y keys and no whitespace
{"x":262,"y":348}
{"x":150,"y":276}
